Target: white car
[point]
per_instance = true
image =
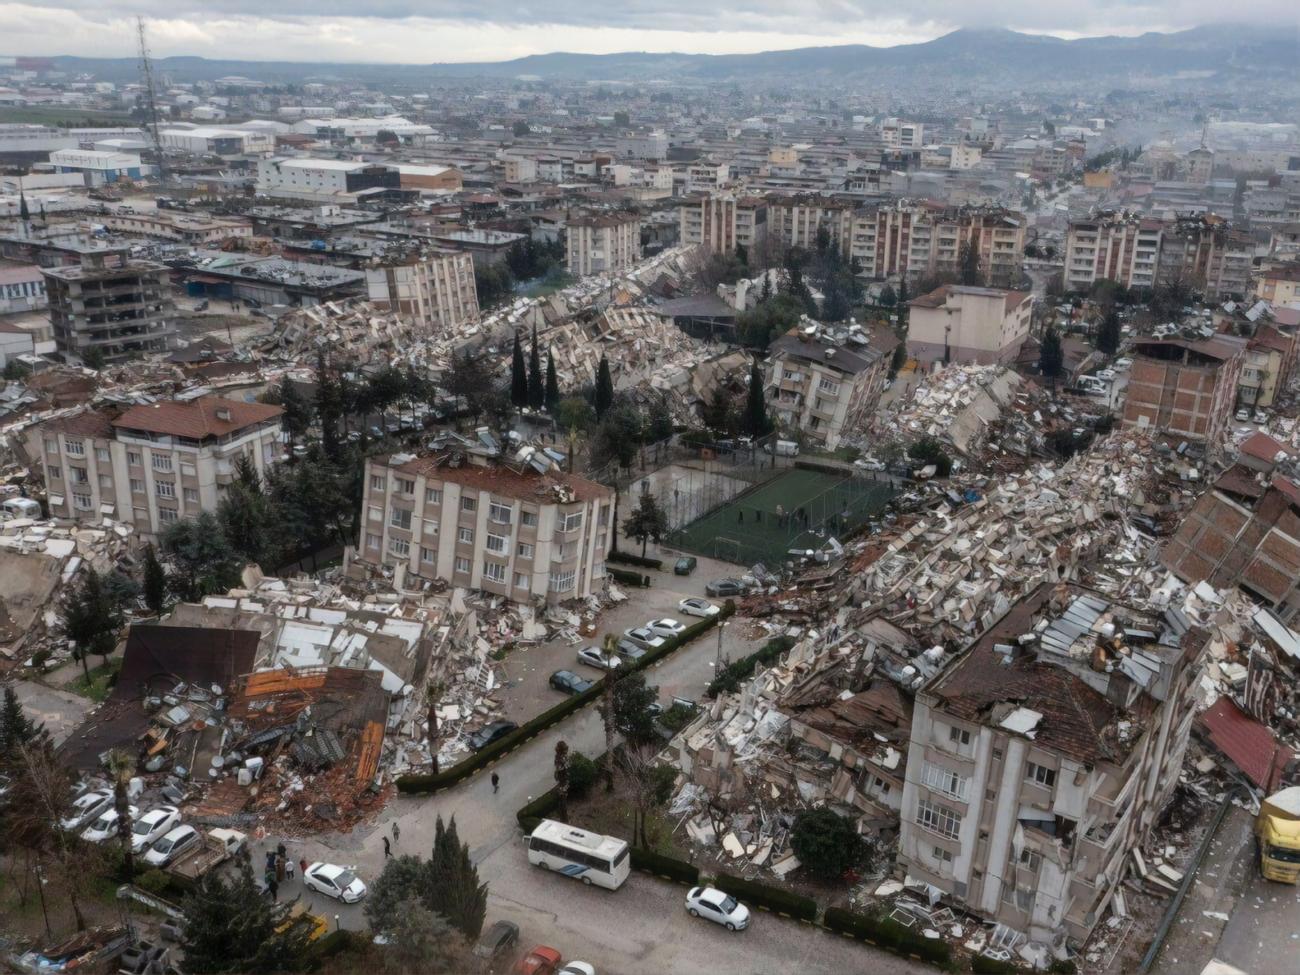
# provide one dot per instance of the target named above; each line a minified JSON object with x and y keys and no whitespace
{"x":644,"y":637}
{"x":1261,"y":416}
{"x":1124,"y":362}
{"x":172,"y":845}
{"x":576,"y":968}
{"x":1107,"y":374}
{"x":718,"y":907}
{"x":667,"y":628}
{"x":593,"y":657}
{"x":869,"y":464}
{"x":694,"y":606}
{"x":105,"y":827}
{"x":1243,"y":416}
{"x":335,"y":881}
{"x":87,"y":807}
{"x":153,"y":824}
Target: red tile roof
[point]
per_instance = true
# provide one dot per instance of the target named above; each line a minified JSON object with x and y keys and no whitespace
{"x":89,"y":423}
{"x":198,"y":419}
{"x":1263,"y":447}
{"x":498,"y":479}
{"x":1246,"y":743}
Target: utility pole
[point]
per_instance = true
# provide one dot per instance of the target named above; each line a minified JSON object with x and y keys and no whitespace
{"x":151,"y":102}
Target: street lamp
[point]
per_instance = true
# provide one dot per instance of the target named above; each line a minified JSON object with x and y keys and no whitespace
{"x":717,"y":657}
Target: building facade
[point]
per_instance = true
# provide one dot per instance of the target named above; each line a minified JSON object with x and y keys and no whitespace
{"x":512,"y":531}
{"x":954,"y":323}
{"x":722,"y":223}
{"x":108,"y":302}
{"x":1042,"y":757}
{"x":99,"y":167}
{"x":436,"y":291}
{"x":604,"y":242}
{"x":1184,"y":389}
{"x":795,"y":221}
{"x":154,"y":464}
{"x":1116,"y":247}
{"x":921,"y":239}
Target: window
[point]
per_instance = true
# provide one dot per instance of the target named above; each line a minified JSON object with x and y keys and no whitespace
{"x":430,"y":526}
{"x":161,"y":462}
{"x":572,"y":521}
{"x":1045,"y":777}
{"x":188,"y":470}
{"x":75,"y":448}
{"x":133,"y":457}
{"x":522,"y":581}
{"x":399,"y":547}
{"x":462,"y":565}
{"x":137,"y":486}
{"x":81,"y":502}
{"x":997,"y":753}
{"x":165,"y":489}
{"x":528,"y":519}
{"x":167,"y":515}
{"x":494,"y":571}
{"x":959,"y":736}
{"x":191,"y":495}
{"x":433,"y":496}
{"x":525,"y":550}
{"x":1031,"y":860}
{"x":938,"y":819}
{"x":563,"y":581}
{"x":405,"y":486}
{"x":105,"y":481}
{"x":942,"y":855}
{"x":55,"y":471}
{"x":51,"y":446}
{"x":400,"y":518}
{"x":466,"y":535}
{"x":376,"y":513}
{"x":377,"y":482}
{"x":468,"y":504}
{"x":1025,"y":900}
{"x":102,"y":455}
{"x":828,"y":386}
{"x":497,"y":543}
{"x":427,"y":554}
{"x":372,"y":540}
{"x":78,"y":475}
{"x":945,"y":780}
{"x":499,"y":513}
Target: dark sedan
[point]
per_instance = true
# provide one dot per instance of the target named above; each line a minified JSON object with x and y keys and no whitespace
{"x":489,"y":733}
{"x":569,"y":682}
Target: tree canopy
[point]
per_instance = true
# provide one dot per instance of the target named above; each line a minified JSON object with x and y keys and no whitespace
{"x":648,"y":521}
{"x":826,"y":843}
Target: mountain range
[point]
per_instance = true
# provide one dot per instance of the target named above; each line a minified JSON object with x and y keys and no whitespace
{"x":963,"y":55}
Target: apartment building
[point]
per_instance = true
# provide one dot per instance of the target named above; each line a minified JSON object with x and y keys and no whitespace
{"x":602,"y":242}
{"x":436,"y":291}
{"x":519,"y":170}
{"x":923,"y":239}
{"x":1042,"y":757}
{"x":723,"y":222}
{"x":1184,"y":389}
{"x":795,"y":221}
{"x":513,"y":530}
{"x":955,"y":323}
{"x":1207,"y":253}
{"x":826,"y":381}
{"x":153,"y":464}
{"x":898,"y":134}
{"x":706,"y":177}
{"x":109,"y":302}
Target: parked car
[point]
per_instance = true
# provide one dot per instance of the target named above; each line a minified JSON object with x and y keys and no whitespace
{"x":171,"y":845}
{"x":541,"y":960}
{"x":1124,"y":362}
{"x":869,"y":464}
{"x":86,"y":808}
{"x":630,"y":651}
{"x":1243,"y":415}
{"x":496,"y":940}
{"x":1107,"y":374}
{"x":643,"y":637}
{"x":153,"y":824}
{"x":595,"y":657}
{"x":570,"y":683}
{"x":490,"y":733}
{"x":725,"y":587}
{"x":105,"y":827}
{"x":577,"y":968}
{"x":335,"y":881}
{"x":1260,"y":416}
{"x":782,"y":448}
{"x":685,"y":565}
{"x":695,"y":606}
{"x":666,"y":628}
{"x":719,"y":907}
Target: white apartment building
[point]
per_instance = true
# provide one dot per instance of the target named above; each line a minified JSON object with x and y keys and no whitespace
{"x":1041,"y":758}
{"x":520,"y":170}
{"x":436,"y":291}
{"x":707,"y":177}
{"x":723,"y":222}
{"x":1117,"y":247}
{"x":920,"y":239}
{"x":898,"y":134}
{"x":647,"y":145}
{"x":514,"y":531}
{"x":153,"y":464}
{"x":795,"y":220}
{"x":954,"y":323}
{"x":604,"y":242}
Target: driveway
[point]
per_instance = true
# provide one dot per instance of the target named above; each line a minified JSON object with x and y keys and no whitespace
{"x":59,"y":711}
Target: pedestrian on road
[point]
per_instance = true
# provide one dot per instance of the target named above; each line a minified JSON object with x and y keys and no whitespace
{"x":496,"y":782}
{"x":397,"y":831}
{"x":288,"y":869}
{"x":279,"y":869}
{"x":388,"y":852}
{"x":274,"y":888}
{"x":303,"y":864}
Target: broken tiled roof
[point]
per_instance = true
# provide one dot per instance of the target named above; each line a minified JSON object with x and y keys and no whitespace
{"x":504,"y":481}
{"x":198,"y":419}
{"x":1260,"y":445}
{"x":89,"y":423}
{"x":1247,"y":743}
{"x":881,"y":709}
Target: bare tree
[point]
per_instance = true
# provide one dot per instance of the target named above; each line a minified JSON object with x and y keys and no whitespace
{"x":436,"y":690}
{"x":608,"y":649}
{"x":562,"y":778}
{"x":636,"y":763}
{"x":42,"y":796}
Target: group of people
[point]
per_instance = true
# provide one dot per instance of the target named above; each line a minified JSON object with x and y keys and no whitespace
{"x":279,"y":869}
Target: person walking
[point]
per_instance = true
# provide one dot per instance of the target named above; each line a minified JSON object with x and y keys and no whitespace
{"x":279,"y":869}
{"x":397,"y":831}
{"x":288,"y":870}
{"x":388,"y":851}
{"x":303,"y":865}
{"x":496,"y":782}
{"x":274,"y":888}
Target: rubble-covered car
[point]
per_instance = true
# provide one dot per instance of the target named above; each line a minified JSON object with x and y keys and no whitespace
{"x":595,"y":657}
{"x":630,"y":651}
{"x":105,"y":827}
{"x":695,"y":606}
{"x":171,"y":845}
{"x":718,"y":907}
{"x":335,"y":881}
{"x":153,"y":824}
{"x":86,"y":808}
{"x":666,"y":627}
{"x":489,"y":733}
{"x":570,"y":683}
{"x":643,"y":637}
{"x":497,"y":939}
{"x":726,"y":587}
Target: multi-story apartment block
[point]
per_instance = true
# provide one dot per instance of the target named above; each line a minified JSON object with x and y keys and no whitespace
{"x":604,"y":242}
{"x":825,"y":381}
{"x":1042,"y":757}
{"x":1184,"y":389}
{"x":922,"y":239}
{"x":1205,"y":252}
{"x":1278,"y":285}
{"x":795,"y":220}
{"x":899,"y":134}
{"x":108,"y":302}
{"x":723,"y":222}
{"x":707,"y":177}
{"x":954,"y":323}
{"x":515,"y":531}
{"x":436,"y":291}
{"x":153,"y":464}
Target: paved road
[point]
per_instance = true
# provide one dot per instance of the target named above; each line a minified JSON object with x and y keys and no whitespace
{"x":641,"y":928}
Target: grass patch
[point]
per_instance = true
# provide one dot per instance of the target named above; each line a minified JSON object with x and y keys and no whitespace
{"x":101,"y":681}
{"x":66,"y":117}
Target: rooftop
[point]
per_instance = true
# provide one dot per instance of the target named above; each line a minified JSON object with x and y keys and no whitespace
{"x":197,"y":419}
{"x":550,"y":488}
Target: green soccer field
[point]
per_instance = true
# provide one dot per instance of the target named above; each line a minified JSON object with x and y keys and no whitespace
{"x":748,"y":529}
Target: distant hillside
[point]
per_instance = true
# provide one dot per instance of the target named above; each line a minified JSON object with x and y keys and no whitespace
{"x":1001,"y":55}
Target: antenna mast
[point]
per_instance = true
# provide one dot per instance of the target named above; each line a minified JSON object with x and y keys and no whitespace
{"x":151,"y":102}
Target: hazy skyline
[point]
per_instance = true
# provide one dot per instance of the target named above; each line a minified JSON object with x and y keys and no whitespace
{"x":491,"y":30}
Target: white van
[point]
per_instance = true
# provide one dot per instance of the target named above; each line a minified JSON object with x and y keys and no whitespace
{"x":782,"y":448}
{"x":19,"y":508}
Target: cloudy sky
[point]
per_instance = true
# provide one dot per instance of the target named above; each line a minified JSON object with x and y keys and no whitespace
{"x":418,"y":31}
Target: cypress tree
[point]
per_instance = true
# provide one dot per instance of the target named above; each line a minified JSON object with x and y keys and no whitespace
{"x":155,"y":582}
{"x":518,"y":376}
{"x":604,"y":389}
{"x":756,"y":422}
{"x":552,"y":384}
{"x":536,"y":391}
{"x":1050,"y":356}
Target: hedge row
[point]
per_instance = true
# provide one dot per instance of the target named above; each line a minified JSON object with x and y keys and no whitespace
{"x":984,"y":965}
{"x":415,"y":784}
{"x":635,"y":579}
{"x":776,"y":899}
{"x":665,"y":866}
{"x":884,"y":932}
{"x":731,"y":675}
{"x":629,"y":559}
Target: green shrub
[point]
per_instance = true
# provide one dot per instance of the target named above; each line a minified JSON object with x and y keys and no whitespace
{"x":583,"y":773}
{"x":635,"y":579}
{"x":154,"y":882}
{"x":665,"y":866}
{"x":887,"y":933}
{"x":773,"y":898}
{"x":1064,"y":966}
{"x":734,"y":673}
{"x":677,"y":717}
{"x":628,"y":558}
{"x":983,"y":965}
{"x":826,"y":843}
{"x":662,"y":780}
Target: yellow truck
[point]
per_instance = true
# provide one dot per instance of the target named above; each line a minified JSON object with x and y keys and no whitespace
{"x":1278,"y":831}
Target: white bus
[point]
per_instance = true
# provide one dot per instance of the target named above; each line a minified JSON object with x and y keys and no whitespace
{"x":590,"y":857}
